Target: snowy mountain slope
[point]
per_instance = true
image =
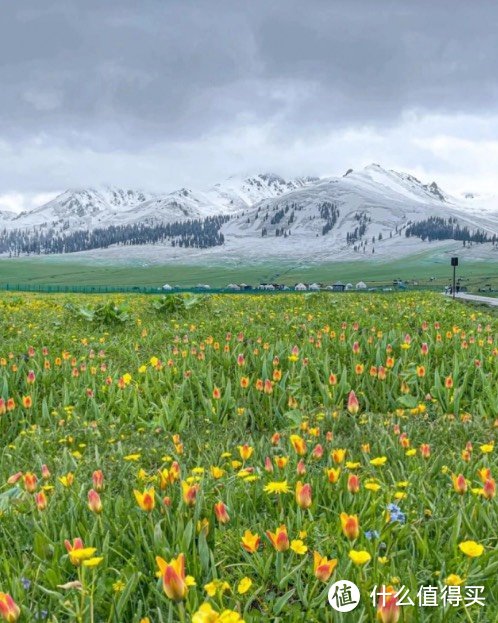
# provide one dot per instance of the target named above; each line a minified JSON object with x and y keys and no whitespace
{"x":479,"y":203}
{"x":360,"y":215}
{"x":245,"y":192}
{"x":229,"y":197}
{"x":90,"y":208}
{"x":6,"y":215}
{"x":82,"y":208}
{"x":385,"y":201}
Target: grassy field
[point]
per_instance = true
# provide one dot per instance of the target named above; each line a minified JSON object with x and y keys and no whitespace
{"x":226,"y":459}
{"x":420,"y":268}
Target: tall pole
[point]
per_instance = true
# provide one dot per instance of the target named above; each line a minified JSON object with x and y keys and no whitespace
{"x":454,"y":263}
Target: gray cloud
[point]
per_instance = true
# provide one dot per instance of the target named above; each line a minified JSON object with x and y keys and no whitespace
{"x":129,"y":83}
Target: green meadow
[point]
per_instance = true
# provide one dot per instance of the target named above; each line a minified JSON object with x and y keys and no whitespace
{"x":424,"y":269}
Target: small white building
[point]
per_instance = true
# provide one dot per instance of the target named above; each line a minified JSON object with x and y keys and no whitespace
{"x":232,"y":286}
{"x":166,"y":286}
{"x":203,"y":286}
{"x":361,"y":285}
{"x":349,"y":286}
{"x":314,"y":286}
{"x":300,"y":287}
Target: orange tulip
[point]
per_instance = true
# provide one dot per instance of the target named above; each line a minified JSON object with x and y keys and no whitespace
{"x":425,"y":450}
{"x":173,"y":577}
{"x":279,"y":539}
{"x":459,"y":483}
{"x":250,"y":542}
{"x":322,"y":567}
{"x":489,"y":489}
{"x":11,"y":480}
{"x":94,"y":501}
{"x":245,"y":451}
{"x":98,"y":480}
{"x":281,"y":461}
{"x":484,"y":474}
{"x":146,"y":500}
{"x":30,"y":482}
{"x":189,"y":493}
{"x":77,"y":551}
{"x":303,"y":495}
{"x":466,"y":455}
{"x":41,"y":501}
{"x":338,"y":455}
{"x":388,"y":610}
{"x":333,"y":474}
{"x":350,"y":526}
{"x":174,"y":471}
{"x":299,"y":444}
{"x":221,"y":513}
{"x":353,"y":483}
{"x":268,"y":387}
{"x":9,"y":610}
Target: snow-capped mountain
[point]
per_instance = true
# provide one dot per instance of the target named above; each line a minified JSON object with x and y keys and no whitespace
{"x":82,"y":208}
{"x":229,"y":197}
{"x":90,"y":208}
{"x":240,"y":193}
{"x":362,"y":214}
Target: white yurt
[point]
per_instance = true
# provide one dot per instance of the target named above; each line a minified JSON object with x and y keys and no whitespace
{"x":166,"y":286}
{"x":300,"y":287}
{"x":314,"y":286}
{"x":232,"y":286}
{"x":361,"y":285}
{"x":349,"y":286}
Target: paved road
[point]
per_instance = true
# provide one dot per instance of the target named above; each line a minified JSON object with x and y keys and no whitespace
{"x":478,"y":299}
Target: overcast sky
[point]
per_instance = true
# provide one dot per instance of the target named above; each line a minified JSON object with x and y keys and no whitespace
{"x":159,"y":94}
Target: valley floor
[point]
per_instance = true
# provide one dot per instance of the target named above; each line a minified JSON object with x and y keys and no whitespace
{"x":427,"y":269}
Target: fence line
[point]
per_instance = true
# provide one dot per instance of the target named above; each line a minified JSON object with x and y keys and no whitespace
{"x":86,"y":289}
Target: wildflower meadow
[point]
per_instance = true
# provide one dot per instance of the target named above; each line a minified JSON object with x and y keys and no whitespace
{"x":228,"y":458}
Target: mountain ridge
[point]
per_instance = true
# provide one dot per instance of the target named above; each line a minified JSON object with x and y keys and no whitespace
{"x":369,"y":210}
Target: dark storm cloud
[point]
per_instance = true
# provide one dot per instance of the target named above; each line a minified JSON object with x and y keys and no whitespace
{"x":121,"y":76}
{"x":153,"y":70}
